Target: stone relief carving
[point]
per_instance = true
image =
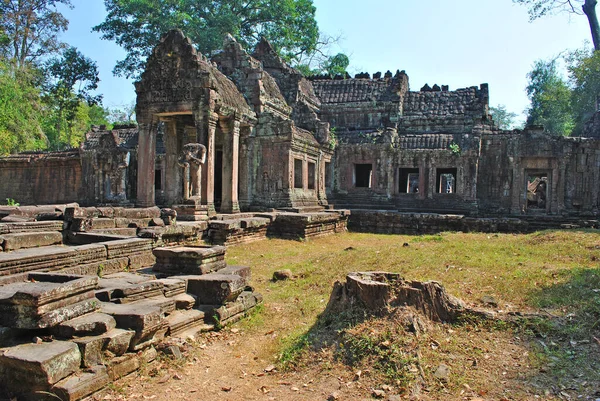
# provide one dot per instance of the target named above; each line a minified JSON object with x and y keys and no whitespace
{"x":193,"y":156}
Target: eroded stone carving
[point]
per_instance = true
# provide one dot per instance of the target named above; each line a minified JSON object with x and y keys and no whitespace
{"x":193,"y":156}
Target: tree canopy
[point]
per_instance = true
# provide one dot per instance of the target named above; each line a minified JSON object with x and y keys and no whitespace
{"x":540,"y":8}
{"x":550,"y":97}
{"x":137,"y":26}
{"x":503,"y":118}
{"x":73,"y":79}
{"x":29,"y":29}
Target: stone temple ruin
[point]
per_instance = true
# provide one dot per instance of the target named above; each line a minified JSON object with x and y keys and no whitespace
{"x":102,"y":261}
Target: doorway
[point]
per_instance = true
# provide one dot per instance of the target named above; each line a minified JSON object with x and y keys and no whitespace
{"x":537,"y":192}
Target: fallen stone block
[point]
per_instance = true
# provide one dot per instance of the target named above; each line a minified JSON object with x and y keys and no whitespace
{"x":92,"y":324}
{"x":242,"y":271}
{"x":146,"y":320}
{"x":12,"y":242}
{"x":32,"y":367}
{"x":184,"y":301}
{"x":189,"y":260}
{"x":122,"y":366}
{"x":118,"y":340}
{"x":214,"y":288}
{"x":226,"y":314}
{"x":137,"y":213}
{"x":90,"y":349}
{"x":78,"y":386}
{"x":46,"y":300}
{"x":127,"y":247}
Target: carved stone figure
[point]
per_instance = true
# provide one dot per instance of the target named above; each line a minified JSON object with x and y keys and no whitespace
{"x":193,"y":156}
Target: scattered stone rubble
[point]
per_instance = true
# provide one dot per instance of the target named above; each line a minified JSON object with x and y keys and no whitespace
{"x":81,"y":306}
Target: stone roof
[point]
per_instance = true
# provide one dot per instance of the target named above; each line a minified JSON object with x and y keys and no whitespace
{"x":356,"y":90}
{"x":178,"y":73}
{"x":305,"y":136}
{"x":436,"y":141}
{"x":432,"y":104}
{"x":126,"y":138}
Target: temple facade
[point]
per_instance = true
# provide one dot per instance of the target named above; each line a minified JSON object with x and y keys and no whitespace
{"x":246,"y":132}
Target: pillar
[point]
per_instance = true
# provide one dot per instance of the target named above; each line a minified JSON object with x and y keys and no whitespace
{"x":207,"y":127}
{"x":146,"y":160}
{"x":173,"y":170}
{"x":231,"y":146}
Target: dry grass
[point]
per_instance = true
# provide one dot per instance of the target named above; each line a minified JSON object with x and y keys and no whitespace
{"x":552,"y":358}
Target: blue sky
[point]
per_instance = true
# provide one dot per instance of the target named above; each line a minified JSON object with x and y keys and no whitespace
{"x":459,"y":43}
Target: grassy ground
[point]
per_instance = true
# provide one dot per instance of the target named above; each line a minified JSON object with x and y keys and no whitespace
{"x":555,"y":273}
{"x":290,"y":349}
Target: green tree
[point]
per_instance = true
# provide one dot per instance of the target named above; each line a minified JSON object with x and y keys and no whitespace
{"x":550,"y":98}
{"x":540,"y":8}
{"x":337,"y":65}
{"x":137,"y":26}
{"x":584,"y":76}
{"x":503,"y":118}
{"x":29,"y":29}
{"x":21,"y":112}
{"x":74,"y":77}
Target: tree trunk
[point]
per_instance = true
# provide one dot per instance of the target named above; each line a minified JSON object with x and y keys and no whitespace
{"x":589,"y":8}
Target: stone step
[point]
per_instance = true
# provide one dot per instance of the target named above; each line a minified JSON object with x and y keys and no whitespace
{"x":184,"y":301}
{"x":37,"y":226}
{"x":172,"y":286}
{"x":76,"y":387}
{"x":29,"y":239}
{"x":28,"y":368}
{"x":185,"y":322}
{"x":92,"y":324}
{"x":146,"y":320}
{"x":46,"y":300}
{"x":92,"y":348}
{"x":189,"y":259}
{"x":215,"y":288}
{"x":50,"y":258}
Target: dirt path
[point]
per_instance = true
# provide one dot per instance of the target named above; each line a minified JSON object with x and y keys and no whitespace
{"x":230,"y":365}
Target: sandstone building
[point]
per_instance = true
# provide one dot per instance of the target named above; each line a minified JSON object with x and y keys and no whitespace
{"x":246,"y":132}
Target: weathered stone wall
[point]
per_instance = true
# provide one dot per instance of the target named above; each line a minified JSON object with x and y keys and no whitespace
{"x":44,"y":178}
{"x":450,"y":111}
{"x":391,"y":156}
{"x":509,"y":158}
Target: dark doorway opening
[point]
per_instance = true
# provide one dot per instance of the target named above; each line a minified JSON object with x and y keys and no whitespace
{"x":409,"y":181}
{"x":363,"y":174}
{"x":158,"y":180}
{"x":218,"y":178}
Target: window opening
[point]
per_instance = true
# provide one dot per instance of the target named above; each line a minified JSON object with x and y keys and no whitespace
{"x":446,"y":180}
{"x":409,"y":181}
{"x":363,"y":174}
{"x":298,"y":181}
{"x":311,"y":175}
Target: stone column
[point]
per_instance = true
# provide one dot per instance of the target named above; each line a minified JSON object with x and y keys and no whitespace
{"x":146,"y":160}
{"x":231,"y":146}
{"x":173,"y":170}
{"x":208,"y":173}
